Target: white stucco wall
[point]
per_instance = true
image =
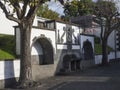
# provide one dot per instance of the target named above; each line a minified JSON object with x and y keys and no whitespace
{"x":76,"y":33}
{"x":61,"y":46}
{"x":111,"y":40}
{"x":10,"y":69}
{"x":6,"y":26}
{"x":36,"y":49}
{"x":59,"y":26}
{"x":34,"y":34}
{"x":98,"y":58}
{"x":48,"y":33}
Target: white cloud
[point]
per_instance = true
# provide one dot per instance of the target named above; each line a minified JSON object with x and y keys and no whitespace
{"x":56,"y":6}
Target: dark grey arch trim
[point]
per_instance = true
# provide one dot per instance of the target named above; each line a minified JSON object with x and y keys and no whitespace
{"x":47,"y":48}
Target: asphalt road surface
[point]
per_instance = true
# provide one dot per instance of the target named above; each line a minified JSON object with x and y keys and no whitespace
{"x":95,"y":78}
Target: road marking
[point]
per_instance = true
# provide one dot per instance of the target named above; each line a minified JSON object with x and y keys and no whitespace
{"x":62,"y":85}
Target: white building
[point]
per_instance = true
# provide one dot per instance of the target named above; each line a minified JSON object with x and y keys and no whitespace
{"x":55,"y":46}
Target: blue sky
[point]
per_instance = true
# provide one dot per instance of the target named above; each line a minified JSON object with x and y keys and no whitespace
{"x":56,"y":6}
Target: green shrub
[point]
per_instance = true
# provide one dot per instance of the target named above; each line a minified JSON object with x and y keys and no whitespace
{"x":98,"y":49}
{"x":97,"y":40}
{"x":98,"y":46}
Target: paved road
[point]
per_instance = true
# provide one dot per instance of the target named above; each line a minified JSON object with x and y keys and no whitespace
{"x":95,"y":78}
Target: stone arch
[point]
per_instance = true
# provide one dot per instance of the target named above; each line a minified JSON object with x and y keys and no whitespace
{"x":47,"y":53}
{"x":71,"y":62}
{"x":67,"y":60}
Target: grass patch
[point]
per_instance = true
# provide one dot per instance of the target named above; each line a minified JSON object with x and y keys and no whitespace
{"x":7,"y":47}
{"x":6,"y":55}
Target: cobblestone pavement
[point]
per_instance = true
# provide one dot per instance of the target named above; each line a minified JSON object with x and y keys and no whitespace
{"x":95,"y":78}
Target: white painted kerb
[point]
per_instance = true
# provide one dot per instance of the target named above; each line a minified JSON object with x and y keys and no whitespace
{"x":9,"y":69}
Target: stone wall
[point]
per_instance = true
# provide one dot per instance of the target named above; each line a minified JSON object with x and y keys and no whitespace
{"x":60,"y":58}
{"x":42,"y":71}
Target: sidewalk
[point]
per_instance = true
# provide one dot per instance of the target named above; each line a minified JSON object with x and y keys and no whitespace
{"x":95,"y":77}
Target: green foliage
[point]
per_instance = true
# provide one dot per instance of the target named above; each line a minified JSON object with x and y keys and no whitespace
{"x":105,"y":14}
{"x":7,"y":47}
{"x":105,"y":9}
{"x":78,"y":8}
{"x":97,"y":40}
{"x":98,"y":48}
{"x":45,"y":12}
{"x":5,"y":55}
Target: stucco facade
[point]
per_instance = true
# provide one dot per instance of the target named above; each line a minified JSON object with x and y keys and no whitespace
{"x":55,"y":47}
{"x":50,"y":44}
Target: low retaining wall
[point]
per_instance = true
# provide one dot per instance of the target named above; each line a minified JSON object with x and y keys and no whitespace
{"x":10,"y":71}
{"x":111,"y":56}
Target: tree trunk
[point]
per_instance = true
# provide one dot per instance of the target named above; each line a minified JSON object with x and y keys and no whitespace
{"x":26,"y":67}
{"x":104,"y":52}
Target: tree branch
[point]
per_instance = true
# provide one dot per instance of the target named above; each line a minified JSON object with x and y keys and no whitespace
{"x":7,"y":14}
{"x":17,"y":8}
{"x":115,"y":26}
{"x":33,"y":8}
{"x":24,"y":8}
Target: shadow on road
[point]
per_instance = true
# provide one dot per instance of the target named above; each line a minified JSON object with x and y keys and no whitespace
{"x":94,"y":78}
{"x":111,"y":70}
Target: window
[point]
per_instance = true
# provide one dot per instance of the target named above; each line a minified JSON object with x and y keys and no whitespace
{"x":41,"y":24}
{"x":51,"y":25}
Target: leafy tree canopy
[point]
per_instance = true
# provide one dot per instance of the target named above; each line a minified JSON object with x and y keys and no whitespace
{"x":78,"y":8}
{"x":106,"y":9}
{"x":45,"y":12}
{"x":107,"y":16}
